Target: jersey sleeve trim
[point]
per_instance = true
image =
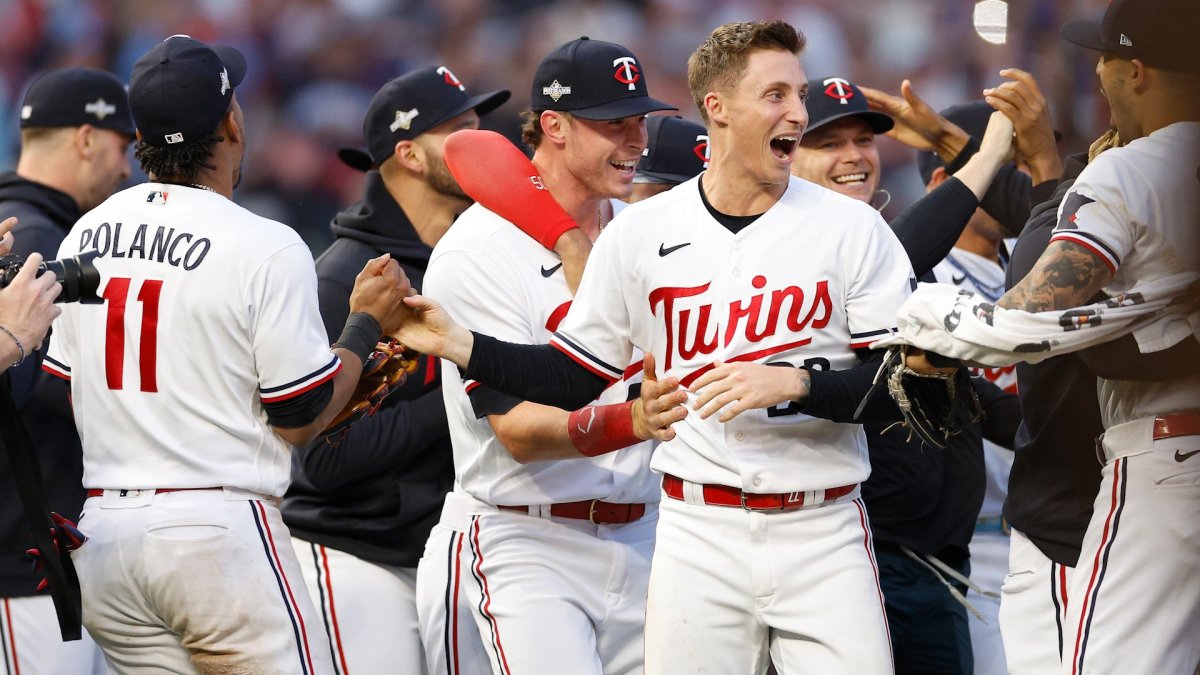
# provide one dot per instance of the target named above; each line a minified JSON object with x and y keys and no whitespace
{"x":470,"y":385}
{"x":306,"y":383}
{"x":56,"y":368}
{"x":861,"y":340}
{"x":584,"y":358}
{"x":1091,"y":243}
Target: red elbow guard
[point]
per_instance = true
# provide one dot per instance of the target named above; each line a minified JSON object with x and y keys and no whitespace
{"x":599,"y":429}
{"x":495,"y":173}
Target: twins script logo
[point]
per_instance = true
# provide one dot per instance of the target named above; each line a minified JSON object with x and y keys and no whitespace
{"x":836,"y":87}
{"x":692,"y":329}
{"x":627,"y":71}
{"x":450,"y":78}
{"x":701,"y":149}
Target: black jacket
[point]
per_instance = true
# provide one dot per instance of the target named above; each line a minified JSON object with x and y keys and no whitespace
{"x":46,"y":215}
{"x":379,"y":493}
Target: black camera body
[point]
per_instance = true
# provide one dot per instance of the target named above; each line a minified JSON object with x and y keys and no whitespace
{"x":77,"y":275}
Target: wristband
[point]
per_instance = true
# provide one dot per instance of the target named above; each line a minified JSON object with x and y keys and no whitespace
{"x":360,"y":335}
{"x":20,"y":348}
{"x":599,"y":429}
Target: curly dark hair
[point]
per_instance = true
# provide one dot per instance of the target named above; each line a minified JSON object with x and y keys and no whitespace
{"x":182,"y":161}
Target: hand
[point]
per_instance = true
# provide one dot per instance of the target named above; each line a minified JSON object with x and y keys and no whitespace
{"x":916,"y":360}
{"x":661,"y":404}
{"x":379,"y":290}
{"x":6,"y":238}
{"x":1022,"y":101}
{"x":995,"y":149}
{"x":573,"y":247}
{"x":65,"y":536}
{"x":745,"y":386}
{"x":917,"y":124}
{"x":27,"y":305}
{"x":430,"y":330}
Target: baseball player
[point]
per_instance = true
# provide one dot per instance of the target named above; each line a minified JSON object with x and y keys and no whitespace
{"x":743,"y":292}
{"x":361,"y":506}
{"x":205,"y":363}
{"x":1118,"y":226}
{"x":75,"y":130}
{"x":547,"y":538}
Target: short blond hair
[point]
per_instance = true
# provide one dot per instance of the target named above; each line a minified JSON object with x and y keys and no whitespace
{"x":721,"y":59}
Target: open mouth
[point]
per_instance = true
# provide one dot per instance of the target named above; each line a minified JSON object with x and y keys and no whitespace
{"x":625,"y":166}
{"x":851,"y":179}
{"x":784,"y":146}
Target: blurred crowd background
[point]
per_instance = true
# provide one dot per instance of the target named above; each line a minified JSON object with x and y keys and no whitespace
{"x":314,"y":65}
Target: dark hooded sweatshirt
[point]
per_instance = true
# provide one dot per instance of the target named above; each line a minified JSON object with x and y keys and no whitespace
{"x":46,"y":215}
{"x":379,"y":492}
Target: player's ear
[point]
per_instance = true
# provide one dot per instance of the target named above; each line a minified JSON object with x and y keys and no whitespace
{"x":410,"y":155}
{"x":233,"y":130}
{"x":1137,"y":75}
{"x":714,"y":107}
{"x":555,"y":126}
{"x":85,"y":140}
{"x":938,"y":177}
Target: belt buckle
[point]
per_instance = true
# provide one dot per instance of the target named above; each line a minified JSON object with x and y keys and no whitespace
{"x":592,"y":512}
{"x":747,"y":507}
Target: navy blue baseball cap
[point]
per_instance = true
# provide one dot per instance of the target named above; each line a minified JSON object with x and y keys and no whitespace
{"x":1161,"y":33}
{"x":972,"y":117}
{"x":182,"y":88}
{"x":72,"y":97}
{"x":835,"y":98}
{"x":593,"y":80}
{"x":412,"y":104}
{"x":676,"y":152}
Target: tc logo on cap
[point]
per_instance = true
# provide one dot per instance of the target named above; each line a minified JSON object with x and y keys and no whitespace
{"x":836,"y":87}
{"x":627,"y":72}
{"x":556,"y":91}
{"x":450,"y":78}
{"x":701,"y":149}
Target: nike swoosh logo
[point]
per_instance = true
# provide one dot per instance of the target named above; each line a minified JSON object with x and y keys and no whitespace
{"x":1183,"y":456}
{"x":958,"y":280}
{"x":664,"y":251}
{"x":549,"y":272}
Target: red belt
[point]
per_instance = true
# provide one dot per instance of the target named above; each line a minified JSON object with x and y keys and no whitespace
{"x":1181,"y":424}
{"x":722,"y":495}
{"x":592,"y":510}
{"x":100,"y":493}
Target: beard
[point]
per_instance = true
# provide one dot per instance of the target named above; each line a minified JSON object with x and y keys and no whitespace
{"x":443,"y":182}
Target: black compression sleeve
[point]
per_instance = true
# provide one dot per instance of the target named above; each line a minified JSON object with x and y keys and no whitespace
{"x":835,"y":394}
{"x":538,"y":373}
{"x":929,"y":228}
{"x":298,"y":411}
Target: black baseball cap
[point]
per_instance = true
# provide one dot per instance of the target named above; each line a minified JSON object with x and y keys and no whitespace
{"x":410,"y":105}
{"x":182,"y":88}
{"x":1163,"y":33}
{"x":972,"y":117}
{"x":594,"y":80}
{"x":73,"y":97}
{"x":832,"y":98}
{"x":677,"y":151}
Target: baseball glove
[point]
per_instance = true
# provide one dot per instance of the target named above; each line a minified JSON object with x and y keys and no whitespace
{"x":934,"y":405}
{"x":384,"y":371}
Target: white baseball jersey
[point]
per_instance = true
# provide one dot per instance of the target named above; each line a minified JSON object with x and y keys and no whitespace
{"x":209,"y":311}
{"x":816,"y":276}
{"x":494,"y":279}
{"x":1137,"y":208}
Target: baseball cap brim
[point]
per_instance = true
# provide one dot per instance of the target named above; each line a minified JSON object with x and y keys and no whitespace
{"x":659,"y":177}
{"x":234,"y":62}
{"x":1085,"y":33}
{"x":481,"y":104}
{"x":621,"y":108}
{"x":359,"y":160}
{"x":879,"y":122}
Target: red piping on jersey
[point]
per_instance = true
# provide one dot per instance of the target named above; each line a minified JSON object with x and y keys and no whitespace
{"x":633,"y":369}
{"x":286,"y":584}
{"x":12,"y":638}
{"x":487,"y":601}
{"x":472,"y":385}
{"x":1087,"y":596}
{"x":1065,"y":236}
{"x":61,"y":376}
{"x":607,"y":377}
{"x":749,"y":356}
{"x":313,"y":385}
{"x":337,"y":631}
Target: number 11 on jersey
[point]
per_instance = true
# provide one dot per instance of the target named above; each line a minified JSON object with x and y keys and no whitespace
{"x":115,"y":295}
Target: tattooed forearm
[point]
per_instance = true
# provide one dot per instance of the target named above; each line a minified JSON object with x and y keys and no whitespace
{"x":1067,"y":275}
